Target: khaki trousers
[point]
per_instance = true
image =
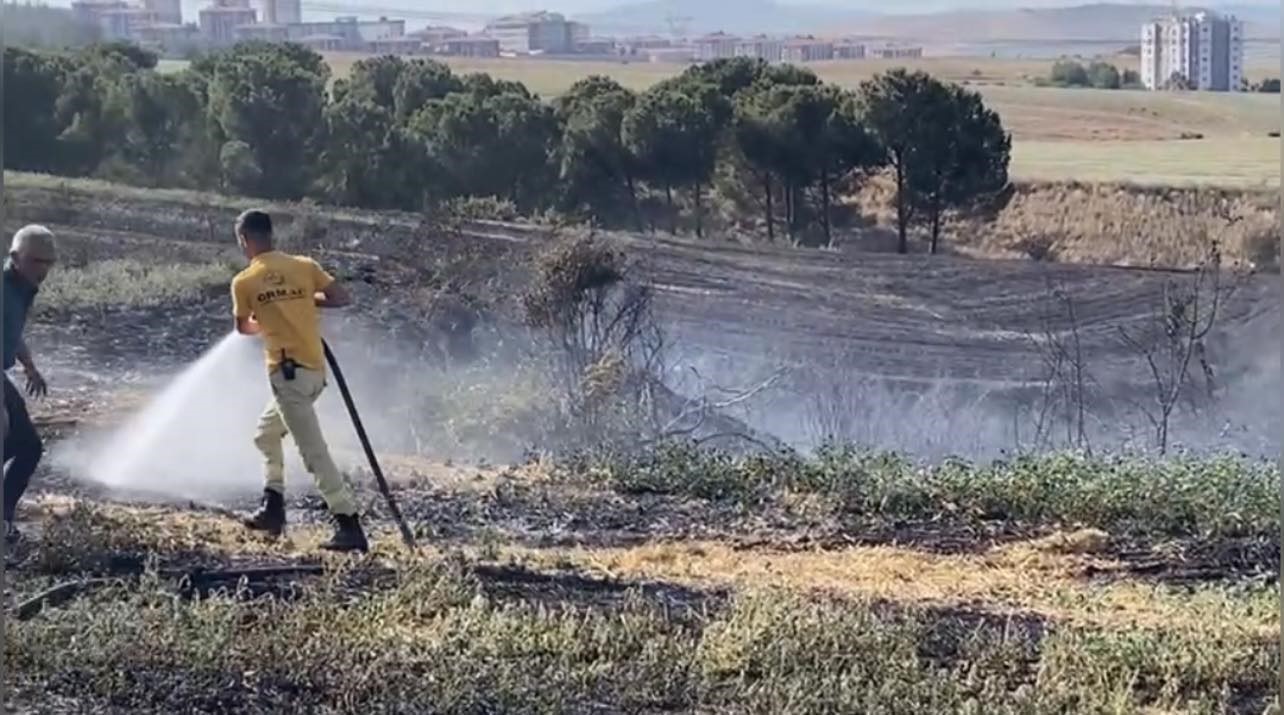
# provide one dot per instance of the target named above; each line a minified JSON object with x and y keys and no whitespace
{"x":292,"y":412}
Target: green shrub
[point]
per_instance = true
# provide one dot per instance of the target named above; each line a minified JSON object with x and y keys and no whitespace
{"x":1205,"y":497}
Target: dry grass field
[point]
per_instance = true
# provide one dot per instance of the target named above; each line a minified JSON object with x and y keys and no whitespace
{"x":1243,"y":162}
{"x":678,"y":580}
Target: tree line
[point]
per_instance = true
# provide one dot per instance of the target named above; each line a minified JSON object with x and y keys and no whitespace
{"x":1096,"y":74}
{"x":732,"y":141}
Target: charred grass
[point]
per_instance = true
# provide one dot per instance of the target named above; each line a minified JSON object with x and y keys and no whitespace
{"x":683,"y":626}
{"x":438,"y":637}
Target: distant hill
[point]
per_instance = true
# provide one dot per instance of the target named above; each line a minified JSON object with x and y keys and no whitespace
{"x":733,"y":16}
{"x":1093,"y":22}
{"x":1101,"y":21}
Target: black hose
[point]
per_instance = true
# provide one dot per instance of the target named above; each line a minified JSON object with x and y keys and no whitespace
{"x":406,"y":535}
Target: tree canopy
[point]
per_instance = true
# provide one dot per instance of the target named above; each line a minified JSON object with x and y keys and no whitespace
{"x":720,"y":144}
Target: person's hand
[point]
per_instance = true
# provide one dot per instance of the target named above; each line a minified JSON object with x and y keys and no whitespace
{"x":36,"y":385}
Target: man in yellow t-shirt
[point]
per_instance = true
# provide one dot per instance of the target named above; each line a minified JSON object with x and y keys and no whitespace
{"x":277,"y":297}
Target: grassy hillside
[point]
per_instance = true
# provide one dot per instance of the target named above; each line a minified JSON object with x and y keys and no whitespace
{"x":1222,"y":162}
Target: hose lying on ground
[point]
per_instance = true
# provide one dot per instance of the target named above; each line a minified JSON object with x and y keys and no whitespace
{"x":406,"y":535}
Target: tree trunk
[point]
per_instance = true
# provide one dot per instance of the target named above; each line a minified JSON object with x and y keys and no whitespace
{"x":673,"y":218}
{"x":789,"y":208}
{"x":633,"y":200}
{"x":771,"y":217}
{"x":824,"y":192}
{"x":795,"y":202}
{"x":699,"y":208}
{"x":936,"y":228}
{"x":902,"y":218}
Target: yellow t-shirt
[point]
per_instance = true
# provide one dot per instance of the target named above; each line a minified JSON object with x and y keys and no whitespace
{"x":279,"y":290}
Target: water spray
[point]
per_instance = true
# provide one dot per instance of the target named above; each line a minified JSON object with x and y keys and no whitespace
{"x":406,"y":535}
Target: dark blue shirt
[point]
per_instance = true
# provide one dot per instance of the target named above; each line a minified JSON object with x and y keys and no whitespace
{"x":19,"y":294}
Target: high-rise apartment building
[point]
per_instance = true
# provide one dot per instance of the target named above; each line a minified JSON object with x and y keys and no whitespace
{"x":168,"y":12}
{"x":280,"y":12}
{"x":537,"y":32}
{"x":716,"y":46}
{"x":1201,"y":51}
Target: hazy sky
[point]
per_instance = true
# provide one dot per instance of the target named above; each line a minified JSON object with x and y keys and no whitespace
{"x":420,"y":12}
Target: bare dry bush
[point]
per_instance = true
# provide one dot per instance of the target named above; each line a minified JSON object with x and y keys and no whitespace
{"x":1068,"y":390}
{"x":604,"y":344}
{"x":1172,"y":342}
{"x":590,"y":309}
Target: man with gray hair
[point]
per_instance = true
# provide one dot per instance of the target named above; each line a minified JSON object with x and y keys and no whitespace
{"x":31,"y":256}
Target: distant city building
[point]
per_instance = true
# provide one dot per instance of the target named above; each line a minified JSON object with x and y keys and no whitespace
{"x":324,"y":43}
{"x":263,"y":32}
{"x":168,"y":38}
{"x":648,"y":42}
{"x":126,"y":24}
{"x":476,"y":46}
{"x":436,"y":34}
{"x":1203,"y":51}
{"x":669,"y":54}
{"x":353,"y":35}
{"x":115,"y":19}
{"x":807,"y":49}
{"x":397,"y":46}
{"x":219,"y":23}
{"x":597,"y":47}
{"x":894,"y":53}
{"x":716,"y":46}
{"x":538,"y":32}
{"x":849,"y":51}
{"x":761,"y":47}
{"x":578,"y":33}
{"x":280,"y":12}
{"x":167,"y":12}
{"x":88,"y":10}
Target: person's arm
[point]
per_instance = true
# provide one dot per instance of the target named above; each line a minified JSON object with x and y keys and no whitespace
{"x":242,"y":310}
{"x":36,"y":384}
{"x":333,"y":295}
{"x":330,"y":293}
{"x":247,"y":326}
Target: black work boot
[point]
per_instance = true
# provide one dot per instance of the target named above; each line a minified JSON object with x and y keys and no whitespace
{"x":348,"y":535}
{"x":11,"y":534}
{"x":271,"y":515}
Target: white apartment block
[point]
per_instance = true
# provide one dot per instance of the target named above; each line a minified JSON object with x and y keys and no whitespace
{"x":1204,"y":49}
{"x":537,"y":32}
{"x":716,"y":46}
{"x":761,"y":47}
{"x":280,"y":12}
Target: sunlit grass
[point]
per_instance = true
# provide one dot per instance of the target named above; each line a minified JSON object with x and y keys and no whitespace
{"x":128,"y":283}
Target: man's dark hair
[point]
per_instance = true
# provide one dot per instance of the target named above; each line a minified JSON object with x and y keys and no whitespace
{"x":255,"y":224}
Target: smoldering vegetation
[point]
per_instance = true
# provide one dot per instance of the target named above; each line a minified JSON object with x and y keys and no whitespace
{"x":587,"y":359}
